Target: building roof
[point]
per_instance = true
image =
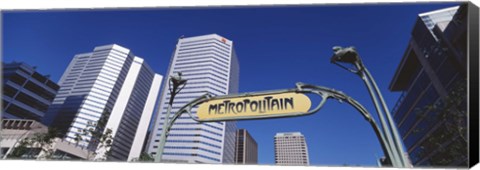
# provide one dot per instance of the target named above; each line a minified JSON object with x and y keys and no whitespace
{"x":281,"y":134}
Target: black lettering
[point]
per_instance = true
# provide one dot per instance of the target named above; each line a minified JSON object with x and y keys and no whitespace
{"x":239,"y":106}
{"x":268,"y":102}
{"x":231,"y":107}
{"x":246,"y":102}
{"x":214,"y":108}
{"x":220,"y":108}
{"x":281,"y":104}
{"x":261,"y":106}
{"x":275,"y":103}
{"x":225,"y":103}
{"x":289,"y":101}
{"x":254,"y":103}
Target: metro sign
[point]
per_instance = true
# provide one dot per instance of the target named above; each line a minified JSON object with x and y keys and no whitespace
{"x":253,"y":107}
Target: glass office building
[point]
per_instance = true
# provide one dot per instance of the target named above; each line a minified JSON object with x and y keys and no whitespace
{"x":246,"y":148}
{"x":209,"y":64}
{"x":109,"y":83}
{"x":431,"y":111}
{"x":26,"y":93}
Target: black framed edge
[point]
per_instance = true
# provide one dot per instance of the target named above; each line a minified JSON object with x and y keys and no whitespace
{"x":473,"y":45}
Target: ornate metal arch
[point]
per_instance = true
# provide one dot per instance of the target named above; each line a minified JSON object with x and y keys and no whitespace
{"x":324,"y":92}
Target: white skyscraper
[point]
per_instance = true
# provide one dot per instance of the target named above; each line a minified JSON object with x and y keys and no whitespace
{"x":291,"y":149}
{"x":108,"y":80}
{"x":209,"y":64}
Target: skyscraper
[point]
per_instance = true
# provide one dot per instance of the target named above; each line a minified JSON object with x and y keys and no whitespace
{"x":26,"y":93}
{"x":291,"y":149}
{"x":432,"y":79}
{"x":109,"y":83}
{"x":246,"y":148}
{"x":209,"y":64}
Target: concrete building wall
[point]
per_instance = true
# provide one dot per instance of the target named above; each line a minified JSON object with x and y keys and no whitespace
{"x":291,"y":149}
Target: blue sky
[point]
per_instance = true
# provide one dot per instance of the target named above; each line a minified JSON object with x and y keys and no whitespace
{"x":276,"y":47}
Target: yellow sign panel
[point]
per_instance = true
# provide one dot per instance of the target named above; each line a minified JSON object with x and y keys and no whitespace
{"x":251,"y":107}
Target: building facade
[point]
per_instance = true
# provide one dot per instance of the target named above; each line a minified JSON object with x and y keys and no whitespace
{"x":209,"y":64}
{"x":16,"y":131}
{"x":291,"y":149}
{"x":110,"y":84}
{"x":26,"y":93}
{"x":431,"y":111}
{"x":246,"y":148}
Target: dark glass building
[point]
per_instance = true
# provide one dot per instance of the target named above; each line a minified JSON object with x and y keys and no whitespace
{"x":27,"y":94}
{"x":246,"y":148}
{"x":431,"y":112}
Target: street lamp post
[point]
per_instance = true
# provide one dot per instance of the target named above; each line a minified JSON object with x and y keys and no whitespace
{"x":350,"y":55}
{"x":175,"y":85}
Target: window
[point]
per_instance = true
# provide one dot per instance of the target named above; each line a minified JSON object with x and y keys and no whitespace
{"x":9,"y":90}
{"x":17,"y":79}
{"x":32,"y":102}
{"x":22,"y":113}
{"x":40,"y":91}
